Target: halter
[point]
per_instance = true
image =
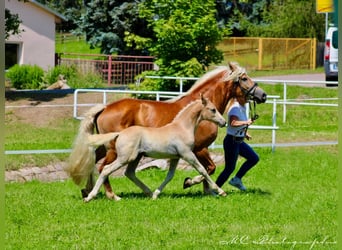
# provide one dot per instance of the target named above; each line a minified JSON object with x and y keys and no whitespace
{"x":249,"y":94}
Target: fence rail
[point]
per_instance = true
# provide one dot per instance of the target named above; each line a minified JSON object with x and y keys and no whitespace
{"x":275,"y":100}
{"x":115,"y":69}
{"x":271,"y":53}
{"x":286,"y":102}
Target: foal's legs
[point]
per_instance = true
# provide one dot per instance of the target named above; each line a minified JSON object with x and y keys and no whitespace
{"x":204,"y":158}
{"x":100,"y":153}
{"x":108,"y":169}
{"x":130,"y":173}
{"x":170,"y":174}
{"x":192,"y":160}
{"x":110,"y":157}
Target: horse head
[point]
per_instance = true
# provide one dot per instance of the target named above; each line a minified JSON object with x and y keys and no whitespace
{"x":245,"y":86}
{"x":210,"y":113}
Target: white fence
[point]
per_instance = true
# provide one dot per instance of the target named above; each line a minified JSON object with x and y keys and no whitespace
{"x":167,"y":94}
{"x":287,"y":101}
{"x":159,"y":94}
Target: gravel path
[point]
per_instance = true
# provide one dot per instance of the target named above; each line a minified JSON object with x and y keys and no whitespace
{"x":56,"y":173}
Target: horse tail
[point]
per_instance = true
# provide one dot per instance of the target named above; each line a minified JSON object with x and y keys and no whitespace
{"x":81,"y":161}
{"x":100,"y":139}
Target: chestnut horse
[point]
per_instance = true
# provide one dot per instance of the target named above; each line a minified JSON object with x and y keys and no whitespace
{"x":218,"y":85}
{"x":174,"y":140}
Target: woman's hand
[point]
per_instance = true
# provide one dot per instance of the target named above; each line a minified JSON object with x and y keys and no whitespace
{"x":249,"y":122}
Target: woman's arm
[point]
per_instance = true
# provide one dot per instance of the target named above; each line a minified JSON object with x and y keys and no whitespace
{"x":234,"y":122}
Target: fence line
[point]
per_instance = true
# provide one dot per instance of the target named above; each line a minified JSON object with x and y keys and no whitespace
{"x":271,"y":53}
{"x":160,"y":94}
{"x":285,"y":100}
{"x":115,"y":69}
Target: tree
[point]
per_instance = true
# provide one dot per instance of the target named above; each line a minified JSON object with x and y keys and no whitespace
{"x":105,"y":23}
{"x":71,"y":9}
{"x":278,"y":18}
{"x":12,"y":23}
{"x":183,"y":30}
{"x":185,"y":35}
{"x":293,"y":18}
{"x":236,"y":14}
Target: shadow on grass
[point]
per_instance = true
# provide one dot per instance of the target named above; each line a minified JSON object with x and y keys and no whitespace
{"x":254,"y":191}
{"x":186,"y":195}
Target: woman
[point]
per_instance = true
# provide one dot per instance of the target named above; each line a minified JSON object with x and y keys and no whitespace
{"x":234,"y":144}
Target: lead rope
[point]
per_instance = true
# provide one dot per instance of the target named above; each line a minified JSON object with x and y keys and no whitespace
{"x":254,"y":116}
{"x":252,"y":113}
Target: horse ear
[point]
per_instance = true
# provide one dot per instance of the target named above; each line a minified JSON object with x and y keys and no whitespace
{"x":232,"y":66}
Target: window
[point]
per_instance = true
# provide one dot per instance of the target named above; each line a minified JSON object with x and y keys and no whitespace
{"x":335,"y":39}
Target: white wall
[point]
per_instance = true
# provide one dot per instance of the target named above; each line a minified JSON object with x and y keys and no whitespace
{"x":37,"y":41}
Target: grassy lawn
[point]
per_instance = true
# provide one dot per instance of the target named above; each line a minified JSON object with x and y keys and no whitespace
{"x":291,"y":204}
{"x":66,"y":43}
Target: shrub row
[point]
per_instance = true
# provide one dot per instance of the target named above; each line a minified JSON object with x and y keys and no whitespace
{"x":34,"y":77}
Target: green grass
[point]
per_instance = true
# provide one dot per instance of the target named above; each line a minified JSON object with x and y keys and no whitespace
{"x":291,"y":202}
{"x":73,"y":44}
{"x":292,"y":198}
{"x":23,"y":136}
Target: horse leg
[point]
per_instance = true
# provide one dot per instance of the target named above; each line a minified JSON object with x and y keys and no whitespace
{"x":110,"y":157}
{"x":107,"y":170}
{"x":89,"y":186}
{"x":204,"y":158}
{"x":100,"y":152}
{"x":130,"y":173}
{"x":170,"y":174}
{"x":193,"y":161}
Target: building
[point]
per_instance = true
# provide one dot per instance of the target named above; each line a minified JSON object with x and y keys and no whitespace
{"x":35,"y":45}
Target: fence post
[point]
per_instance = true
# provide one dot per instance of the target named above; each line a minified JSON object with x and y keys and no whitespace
{"x":274,"y":124}
{"x":109,"y":79}
{"x":284,"y":104}
{"x":313,"y":52}
{"x":260,"y":54}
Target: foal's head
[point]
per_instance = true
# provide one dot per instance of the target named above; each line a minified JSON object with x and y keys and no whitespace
{"x":244,"y":86}
{"x":210,"y":113}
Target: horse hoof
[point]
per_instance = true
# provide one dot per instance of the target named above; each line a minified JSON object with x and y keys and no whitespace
{"x":84,"y":193}
{"x":187,"y":183}
{"x":223,"y":194}
{"x":117,"y":198}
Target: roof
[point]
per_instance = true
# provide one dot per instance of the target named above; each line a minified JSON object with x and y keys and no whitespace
{"x":44,"y":7}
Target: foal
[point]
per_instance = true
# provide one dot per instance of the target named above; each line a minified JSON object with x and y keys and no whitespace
{"x":174,"y":141}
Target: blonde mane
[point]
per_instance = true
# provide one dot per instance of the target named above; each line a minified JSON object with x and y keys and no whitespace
{"x":229,"y":75}
{"x":186,"y":108}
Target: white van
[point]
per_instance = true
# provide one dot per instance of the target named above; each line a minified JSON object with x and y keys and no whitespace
{"x":331,"y":55}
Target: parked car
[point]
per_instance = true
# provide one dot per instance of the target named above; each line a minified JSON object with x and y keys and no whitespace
{"x":331,"y":55}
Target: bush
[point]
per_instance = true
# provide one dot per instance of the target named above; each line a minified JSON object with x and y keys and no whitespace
{"x":69,"y":72}
{"x":89,"y":80}
{"x":26,"y":76}
{"x":33,"y":77}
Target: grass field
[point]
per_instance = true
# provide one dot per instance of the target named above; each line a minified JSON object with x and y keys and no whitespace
{"x":291,"y":204}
